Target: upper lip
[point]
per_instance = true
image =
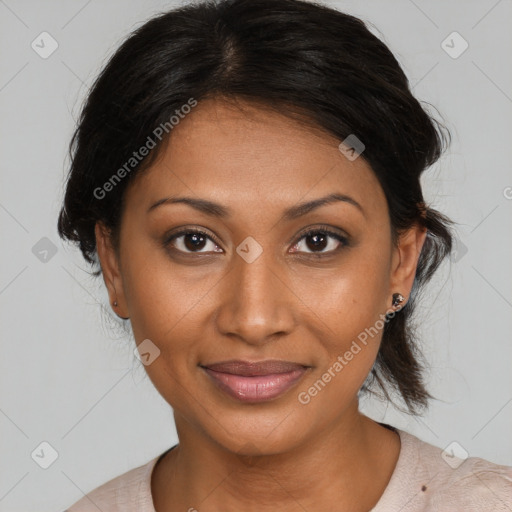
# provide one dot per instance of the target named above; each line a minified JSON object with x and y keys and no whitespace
{"x":252,"y":369}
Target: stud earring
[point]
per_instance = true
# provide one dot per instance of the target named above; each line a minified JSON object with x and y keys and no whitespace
{"x":398,"y":299}
{"x":115,"y":303}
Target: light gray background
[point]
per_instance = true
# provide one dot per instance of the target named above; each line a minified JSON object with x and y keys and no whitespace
{"x":69,"y":377}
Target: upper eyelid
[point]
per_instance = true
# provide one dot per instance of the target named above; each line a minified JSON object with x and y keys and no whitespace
{"x":186,"y":231}
{"x":341,"y":237}
{"x":330,"y":231}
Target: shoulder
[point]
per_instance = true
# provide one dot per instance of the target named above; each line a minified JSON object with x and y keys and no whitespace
{"x":480,"y":485}
{"x":447,"y":480}
{"x":130,"y":491}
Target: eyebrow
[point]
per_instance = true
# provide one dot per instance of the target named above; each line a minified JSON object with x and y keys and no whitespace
{"x":217,"y":210}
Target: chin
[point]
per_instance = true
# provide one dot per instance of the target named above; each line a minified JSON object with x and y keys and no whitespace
{"x":257,"y":432}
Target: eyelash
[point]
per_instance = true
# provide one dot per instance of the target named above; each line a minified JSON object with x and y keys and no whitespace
{"x":325,"y":230}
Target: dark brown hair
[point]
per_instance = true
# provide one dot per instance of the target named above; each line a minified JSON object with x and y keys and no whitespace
{"x":302,"y":59}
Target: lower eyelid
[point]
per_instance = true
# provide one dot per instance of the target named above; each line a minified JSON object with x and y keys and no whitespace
{"x":170,"y":241}
{"x":343,"y":241}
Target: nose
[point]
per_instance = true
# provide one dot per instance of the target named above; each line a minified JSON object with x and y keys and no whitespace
{"x":256,"y":301}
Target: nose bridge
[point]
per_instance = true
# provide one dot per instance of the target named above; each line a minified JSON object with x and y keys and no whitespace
{"x":255,"y":302}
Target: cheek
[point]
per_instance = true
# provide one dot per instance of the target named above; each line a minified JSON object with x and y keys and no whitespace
{"x":348,"y":338}
{"x":350,"y":298}
{"x":167,"y":307}
{"x":347,"y":311}
{"x":162,"y":296}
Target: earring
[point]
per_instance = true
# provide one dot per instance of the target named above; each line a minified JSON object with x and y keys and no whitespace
{"x":115,"y":303}
{"x":398,"y":299}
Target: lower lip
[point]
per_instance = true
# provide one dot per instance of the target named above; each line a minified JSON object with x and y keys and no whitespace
{"x":255,"y":389}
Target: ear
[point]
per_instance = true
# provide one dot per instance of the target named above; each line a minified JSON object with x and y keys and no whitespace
{"x":405,"y":260}
{"x":110,"y":269}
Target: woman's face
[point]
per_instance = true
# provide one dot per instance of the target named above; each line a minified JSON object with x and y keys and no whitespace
{"x":254,"y":288}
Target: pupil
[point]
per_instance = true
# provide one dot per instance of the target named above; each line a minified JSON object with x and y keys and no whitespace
{"x":320,"y":241}
{"x":194,"y":241}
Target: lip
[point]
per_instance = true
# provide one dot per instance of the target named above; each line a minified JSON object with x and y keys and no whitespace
{"x":255,"y":381}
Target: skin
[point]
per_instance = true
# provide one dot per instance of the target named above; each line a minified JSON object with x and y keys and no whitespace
{"x":288,"y":304}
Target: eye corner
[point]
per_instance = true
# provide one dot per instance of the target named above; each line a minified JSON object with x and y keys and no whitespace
{"x":341,"y":237}
{"x":172,"y":235}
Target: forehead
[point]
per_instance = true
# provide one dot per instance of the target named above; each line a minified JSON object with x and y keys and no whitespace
{"x":245,"y":155}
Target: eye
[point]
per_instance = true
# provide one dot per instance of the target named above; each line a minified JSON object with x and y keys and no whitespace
{"x":319,"y":241}
{"x":192,"y":241}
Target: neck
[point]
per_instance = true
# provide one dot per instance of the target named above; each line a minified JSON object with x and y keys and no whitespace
{"x":348,"y":466}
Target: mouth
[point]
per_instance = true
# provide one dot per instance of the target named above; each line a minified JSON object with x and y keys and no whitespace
{"x":255,"y":382}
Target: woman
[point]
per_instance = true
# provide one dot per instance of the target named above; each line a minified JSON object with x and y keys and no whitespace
{"x":247,"y":175}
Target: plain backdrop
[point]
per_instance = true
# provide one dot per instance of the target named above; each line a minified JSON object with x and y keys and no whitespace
{"x":68,"y":373}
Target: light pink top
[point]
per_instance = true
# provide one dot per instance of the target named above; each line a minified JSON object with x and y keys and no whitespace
{"x":424,"y":480}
